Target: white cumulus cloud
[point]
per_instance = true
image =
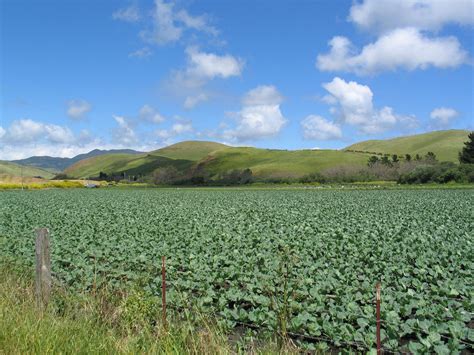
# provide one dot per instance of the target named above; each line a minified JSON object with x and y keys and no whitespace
{"x":353,"y":102}
{"x":442,"y":116}
{"x":182,"y":127}
{"x":124,"y":133}
{"x":179,"y":128}
{"x":199,"y":23}
{"x":164,"y":28}
{"x":150,"y":114}
{"x":319,"y":128}
{"x":59,"y":134}
{"x":201,"y":68}
{"x":13,"y":152}
{"x":27,"y":137}
{"x":263,"y":95}
{"x":78,"y":108}
{"x":27,"y":131}
{"x":193,"y":100}
{"x":385,"y":15}
{"x":405,"y":48}
{"x":127,"y":14}
{"x":141,"y":53}
{"x":260,"y":116}
{"x":210,"y":65}
{"x":169,"y":24}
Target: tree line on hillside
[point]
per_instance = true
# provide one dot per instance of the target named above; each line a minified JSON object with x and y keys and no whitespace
{"x":170,"y":175}
{"x":405,"y":169}
{"x":199,"y":176}
{"x":444,"y":172}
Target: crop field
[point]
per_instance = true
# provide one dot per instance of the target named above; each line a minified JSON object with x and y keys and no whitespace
{"x":251,"y":256}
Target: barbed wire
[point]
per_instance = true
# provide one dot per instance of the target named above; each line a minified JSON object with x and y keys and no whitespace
{"x":56,"y":280}
{"x":413,"y":327}
{"x":336,"y":343}
{"x":427,"y":332}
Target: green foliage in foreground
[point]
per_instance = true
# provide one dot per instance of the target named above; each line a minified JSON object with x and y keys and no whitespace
{"x":225,"y":250}
{"x":103,"y":322}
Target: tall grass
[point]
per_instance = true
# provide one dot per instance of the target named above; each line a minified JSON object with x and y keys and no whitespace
{"x":102,"y":322}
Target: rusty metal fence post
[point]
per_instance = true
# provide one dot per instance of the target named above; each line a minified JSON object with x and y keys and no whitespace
{"x":377,"y":305}
{"x":163,"y":291}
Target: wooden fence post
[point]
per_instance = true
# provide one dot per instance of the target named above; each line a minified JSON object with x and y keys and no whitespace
{"x":377,"y":305}
{"x":163,"y":291}
{"x":43,"y":268}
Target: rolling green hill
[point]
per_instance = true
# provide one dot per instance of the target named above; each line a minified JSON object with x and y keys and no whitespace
{"x":216,"y":159}
{"x":189,"y":150}
{"x":181,"y":155}
{"x":59,"y":164}
{"x":445,"y":144}
{"x":280,"y":163}
{"x":142,"y":164}
{"x":16,"y":170}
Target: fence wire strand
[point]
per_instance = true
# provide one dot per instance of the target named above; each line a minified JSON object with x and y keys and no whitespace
{"x":337,"y":343}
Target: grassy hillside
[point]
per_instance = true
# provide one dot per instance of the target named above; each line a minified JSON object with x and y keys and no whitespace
{"x":445,"y":144}
{"x":8,"y":169}
{"x":280,"y":163}
{"x":218,"y":158}
{"x":181,"y":155}
{"x":189,"y":150}
{"x":59,"y":164}
{"x":119,"y":163}
{"x":45,"y":162}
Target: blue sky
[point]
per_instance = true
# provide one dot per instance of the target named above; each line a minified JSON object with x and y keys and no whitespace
{"x":78,"y":75}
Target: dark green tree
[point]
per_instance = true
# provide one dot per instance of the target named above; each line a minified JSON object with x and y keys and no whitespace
{"x":372,"y":160}
{"x":417,"y":157}
{"x":466,"y":155}
{"x":386,"y":161}
{"x":430,"y":157}
{"x":246,"y":177}
{"x":166,"y":175}
{"x":395,"y":158}
{"x":103,"y":176}
{"x":407,"y":157}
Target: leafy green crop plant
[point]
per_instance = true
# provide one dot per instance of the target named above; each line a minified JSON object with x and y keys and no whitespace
{"x":286,"y":261}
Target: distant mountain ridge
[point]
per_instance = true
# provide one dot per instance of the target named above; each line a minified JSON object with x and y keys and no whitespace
{"x":215,"y":159}
{"x":59,"y":164}
{"x":181,"y":155}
